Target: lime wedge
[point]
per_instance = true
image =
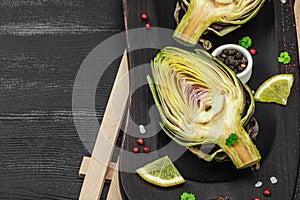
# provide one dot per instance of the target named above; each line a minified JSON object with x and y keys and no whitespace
{"x":276,"y":89}
{"x":161,"y":172}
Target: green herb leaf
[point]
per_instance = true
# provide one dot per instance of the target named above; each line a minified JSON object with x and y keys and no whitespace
{"x":232,"y":139}
{"x":284,"y":58}
{"x":187,"y":196}
{"x":245,"y":42}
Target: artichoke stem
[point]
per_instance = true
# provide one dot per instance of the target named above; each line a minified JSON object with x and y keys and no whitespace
{"x":194,"y":22}
{"x":244,"y":153}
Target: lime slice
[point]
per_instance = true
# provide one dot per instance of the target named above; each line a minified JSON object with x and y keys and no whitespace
{"x":161,"y":172}
{"x":276,"y":89}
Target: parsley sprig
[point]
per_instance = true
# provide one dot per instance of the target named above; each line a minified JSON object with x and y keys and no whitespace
{"x":187,"y":196}
{"x":284,"y":58}
{"x":245,"y":42}
{"x":232,"y":139}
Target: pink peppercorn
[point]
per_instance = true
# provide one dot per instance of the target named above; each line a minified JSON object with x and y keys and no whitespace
{"x":146,"y":149}
{"x":144,"y":17}
{"x":267,"y":193}
{"x":140,"y":141}
{"x":252,"y":51}
{"x":135,"y":150}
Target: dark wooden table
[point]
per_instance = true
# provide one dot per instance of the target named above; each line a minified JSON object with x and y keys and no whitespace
{"x":42,"y":45}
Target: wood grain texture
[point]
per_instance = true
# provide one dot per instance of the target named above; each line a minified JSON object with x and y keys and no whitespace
{"x":42,"y":45}
{"x":32,"y":17}
{"x":297,"y":21}
{"x":297,"y":25}
{"x":278,"y":30}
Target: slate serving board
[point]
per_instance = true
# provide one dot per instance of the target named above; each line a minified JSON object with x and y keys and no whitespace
{"x":272,"y":31}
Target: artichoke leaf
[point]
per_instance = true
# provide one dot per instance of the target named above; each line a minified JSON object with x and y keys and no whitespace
{"x":223,"y":31}
{"x":197,"y":151}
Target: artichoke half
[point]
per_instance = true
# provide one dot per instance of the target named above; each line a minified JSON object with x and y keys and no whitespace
{"x":201,"y":103}
{"x":218,"y":16}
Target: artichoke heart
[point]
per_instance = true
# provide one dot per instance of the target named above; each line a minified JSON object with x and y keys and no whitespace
{"x":201,"y":102}
{"x":218,"y":16}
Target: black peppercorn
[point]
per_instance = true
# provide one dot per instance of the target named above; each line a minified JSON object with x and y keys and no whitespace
{"x":234,"y":59}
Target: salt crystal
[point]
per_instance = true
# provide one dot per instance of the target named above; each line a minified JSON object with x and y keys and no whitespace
{"x":142,"y":129}
{"x":273,"y":180}
{"x":258,"y":184}
{"x":283,"y":1}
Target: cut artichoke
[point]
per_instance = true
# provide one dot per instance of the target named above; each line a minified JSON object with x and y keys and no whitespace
{"x":220,"y":17}
{"x":201,"y":102}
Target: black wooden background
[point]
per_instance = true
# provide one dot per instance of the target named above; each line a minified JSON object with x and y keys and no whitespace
{"x":42,"y":44}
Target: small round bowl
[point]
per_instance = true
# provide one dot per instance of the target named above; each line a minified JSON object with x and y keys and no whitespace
{"x":245,"y":75}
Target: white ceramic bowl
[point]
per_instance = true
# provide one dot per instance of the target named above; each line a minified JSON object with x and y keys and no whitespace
{"x":245,"y":75}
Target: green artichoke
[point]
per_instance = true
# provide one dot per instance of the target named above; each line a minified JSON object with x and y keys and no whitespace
{"x":218,"y":16}
{"x":202,"y":103}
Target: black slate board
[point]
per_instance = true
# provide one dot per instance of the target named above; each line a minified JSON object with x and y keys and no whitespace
{"x":272,"y":31}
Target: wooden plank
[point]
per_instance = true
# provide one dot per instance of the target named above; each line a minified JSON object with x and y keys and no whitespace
{"x":33,"y":17}
{"x":108,"y":133}
{"x":297,"y":19}
{"x":113,"y":175}
{"x":84,"y":166}
{"x":43,"y":44}
{"x":110,"y":171}
{"x":275,"y":22}
{"x":114,"y":189}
